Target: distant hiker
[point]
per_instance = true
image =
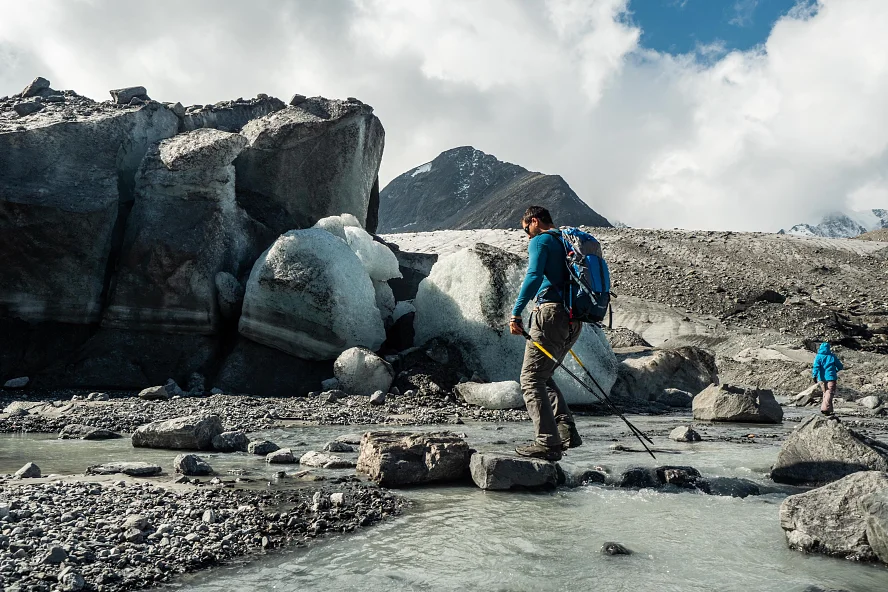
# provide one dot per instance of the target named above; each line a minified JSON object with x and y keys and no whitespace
{"x":826,"y":371}
{"x":551,"y":327}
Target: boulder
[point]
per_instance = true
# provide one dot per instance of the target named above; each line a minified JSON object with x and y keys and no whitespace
{"x":361,"y":372}
{"x":831,"y":519}
{"x":192,"y":465}
{"x":264,"y":371}
{"x":262,"y":447}
{"x":500,"y":471}
{"x":377,"y":398}
{"x":875,"y":507}
{"x":305,"y":162}
{"x":34,"y":88}
{"x":64,"y":186}
{"x":733,"y":487}
{"x":325,"y":461}
{"x":870,"y":401}
{"x":163,"y":392}
{"x":466,"y":300}
{"x":336,"y":446}
{"x":184,"y":229}
{"x":492,"y":395}
{"x":808,"y":396}
{"x":310,"y":296}
{"x":191,"y":432}
{"x":822,"y":449}
{"x":231,"y":442}
{"x":675,"y":398}
{"x":644,"y":373}
{"x":612,"y":548}
{"x":229,"y":295}
{"x":133,"y":469}
{"x":684,"y":434}
{"x":16,"y":383}
{"x":76,"y":431}
{"x":280,"y":456}
{"x":29,"y":471}
{"x":123,"y":96}
{"x":737,"y":404}
{"x":398,"y":459}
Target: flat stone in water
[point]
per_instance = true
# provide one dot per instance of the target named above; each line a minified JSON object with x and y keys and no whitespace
{"x":133,"y":469}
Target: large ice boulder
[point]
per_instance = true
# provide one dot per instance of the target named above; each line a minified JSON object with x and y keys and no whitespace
{"x":645,"y":372}
{"x":311,"y":160}
{"x":310,"y":296}
{"x":467,"y":299}
{"x":361,"y":372}
{"x":66,"y":176}
{"x":185,"y":228}
{"x":378,"y":259}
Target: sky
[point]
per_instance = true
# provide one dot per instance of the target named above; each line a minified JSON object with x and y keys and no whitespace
{"x":704,"y":114}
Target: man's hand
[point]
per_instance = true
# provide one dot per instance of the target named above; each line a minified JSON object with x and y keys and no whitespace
{"x":516,"y":326}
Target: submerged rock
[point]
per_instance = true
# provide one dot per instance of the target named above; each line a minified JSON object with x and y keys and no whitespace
{"x":737,"y":404}
{"x":684,"y":434}
{"x":398,"y":459}
{"x":492,"y":395}
{"x":262,"y":447}
{"x":656,"y":477}
{"x":499,"y":471}
{"x":231,"y":442}
{"x":191,"y":432}
{"x":830,"y":519}
{"x":83,"y":432}
{"x":361,"y":372}
{"x":611,"y":548}
{"x":326,"y":461}
{"x":820,"y":450}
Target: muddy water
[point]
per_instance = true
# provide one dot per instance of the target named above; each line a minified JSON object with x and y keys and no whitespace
{"x":460,"y":538}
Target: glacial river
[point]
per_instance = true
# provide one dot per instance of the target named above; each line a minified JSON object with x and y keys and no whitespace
{"x":461,"y":538}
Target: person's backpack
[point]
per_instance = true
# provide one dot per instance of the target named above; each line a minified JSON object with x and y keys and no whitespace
{"x":587,"y":294}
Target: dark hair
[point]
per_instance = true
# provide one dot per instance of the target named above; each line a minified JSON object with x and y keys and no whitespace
{"x":538,"y":212}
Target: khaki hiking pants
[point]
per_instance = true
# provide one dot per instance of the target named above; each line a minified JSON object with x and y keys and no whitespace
{"x":550,"y":326}
{"x":829,"y":392}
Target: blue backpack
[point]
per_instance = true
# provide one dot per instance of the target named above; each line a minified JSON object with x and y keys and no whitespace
{"x":588,"y":294}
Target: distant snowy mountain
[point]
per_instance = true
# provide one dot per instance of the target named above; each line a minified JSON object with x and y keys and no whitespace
{"x":464,"y":188}
{"x":843,"y":225}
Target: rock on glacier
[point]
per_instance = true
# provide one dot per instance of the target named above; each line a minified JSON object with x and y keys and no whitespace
{"x":467,"y":300}
{"x":310,"y":296}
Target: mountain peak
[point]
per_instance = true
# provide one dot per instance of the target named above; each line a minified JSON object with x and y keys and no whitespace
{"x":465,"y":188}
{"x":844,"y":225}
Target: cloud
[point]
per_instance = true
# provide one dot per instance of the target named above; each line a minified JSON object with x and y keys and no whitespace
{"x":753,"y":140}
{"x":743,"y":11}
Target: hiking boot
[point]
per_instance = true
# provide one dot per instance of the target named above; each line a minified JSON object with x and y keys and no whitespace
{"x":535,"y":450}
{"x":570,"y":437}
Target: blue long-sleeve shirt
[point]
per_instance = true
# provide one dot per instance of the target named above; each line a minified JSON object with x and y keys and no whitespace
{"x":826,"y":364}
{"x":546,"y":272}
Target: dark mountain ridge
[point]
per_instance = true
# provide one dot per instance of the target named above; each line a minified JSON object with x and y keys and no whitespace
{"x":464,"y":188}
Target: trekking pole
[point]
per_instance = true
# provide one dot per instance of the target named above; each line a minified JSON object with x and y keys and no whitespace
{"x":604,"y":396}
{"x":635,"y":431}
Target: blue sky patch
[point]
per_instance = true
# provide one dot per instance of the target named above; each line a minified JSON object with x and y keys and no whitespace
{"x":682,"y":26}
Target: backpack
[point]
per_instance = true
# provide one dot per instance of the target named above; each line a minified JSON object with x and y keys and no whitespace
{"x":587,"y":294}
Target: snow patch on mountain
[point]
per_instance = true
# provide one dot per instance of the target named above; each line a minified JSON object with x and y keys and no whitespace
{"x":843,"y":224}
{"x":425,"y":168}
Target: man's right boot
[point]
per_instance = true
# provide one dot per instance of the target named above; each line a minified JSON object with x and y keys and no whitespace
{"x":536,"y":450}
{"x":570,"y":437}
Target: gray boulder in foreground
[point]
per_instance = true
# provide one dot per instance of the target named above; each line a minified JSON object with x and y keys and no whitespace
{"x":875,"y":508}
{"x":737,"y":404}
{"x":492,"y":395}
{"x":500,"y":471}
{"x":830,"y":519}
{"x":133,"y":469}
{"x":821,"y":450}
{"x":397,"y":459}
{"x":192,"y":432}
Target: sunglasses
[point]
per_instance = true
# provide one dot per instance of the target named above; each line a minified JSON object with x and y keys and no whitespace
{"x":526,"y":229}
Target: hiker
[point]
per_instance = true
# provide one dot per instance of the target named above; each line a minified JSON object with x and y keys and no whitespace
{"x":826,"y":371}
{"x":551,"y":327}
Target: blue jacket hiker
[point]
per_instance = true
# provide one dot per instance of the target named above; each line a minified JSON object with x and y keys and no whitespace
{"x":826,"y":371}
{"x":551,"y":326}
